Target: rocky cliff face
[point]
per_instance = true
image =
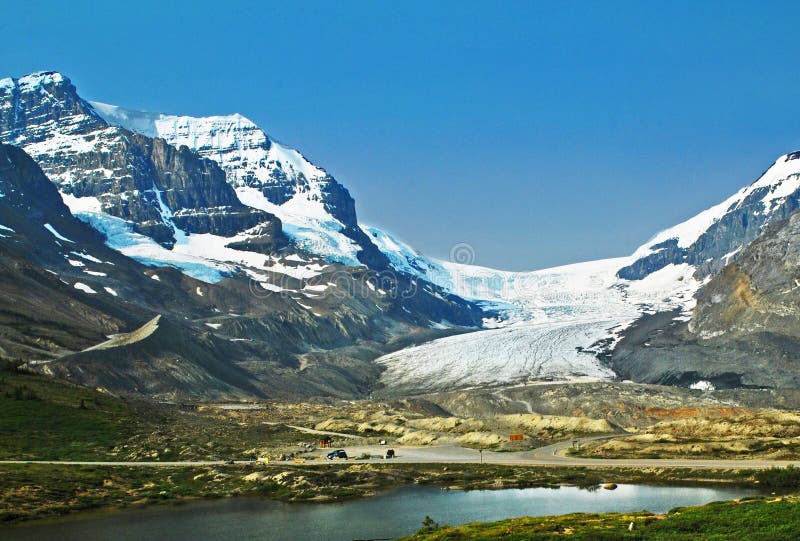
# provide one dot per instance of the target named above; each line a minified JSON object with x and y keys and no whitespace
{"x":745,"y":329}
{"x":760,"y":293}
{"x":145,"y":181}
{"x":266,"y":175}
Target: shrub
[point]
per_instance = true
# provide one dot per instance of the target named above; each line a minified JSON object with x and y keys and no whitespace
{"x":784,"y":478}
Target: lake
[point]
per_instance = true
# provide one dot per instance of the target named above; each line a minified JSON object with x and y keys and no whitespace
{"x":392,"y":514}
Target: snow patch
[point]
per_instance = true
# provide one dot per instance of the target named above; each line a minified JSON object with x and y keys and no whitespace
{"x":702,"y":385}
{"x":78,"y":205}
{"x":56,"y":234}
{"x":87,"y":257}
{"x":83,"y":287}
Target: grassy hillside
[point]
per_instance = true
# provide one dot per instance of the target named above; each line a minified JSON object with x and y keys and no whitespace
{"x":47,"y":419}
{"x":44,"y":419}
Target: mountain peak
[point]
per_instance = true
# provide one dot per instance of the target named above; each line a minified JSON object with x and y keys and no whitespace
{"x":157,"y":124}
{"x":37,"y":78}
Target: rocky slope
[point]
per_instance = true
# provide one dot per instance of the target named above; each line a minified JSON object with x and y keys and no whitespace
{"x":745,"y":329}
{"x":246,"y":310}
{"x":146,"y":182}
{"x":63,"y":288}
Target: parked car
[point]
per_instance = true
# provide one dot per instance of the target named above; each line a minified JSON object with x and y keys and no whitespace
{"x":338,"y":453}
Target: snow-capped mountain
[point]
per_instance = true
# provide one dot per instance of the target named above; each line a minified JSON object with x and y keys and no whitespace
{"x":712,"y":239}
{"x":216,"y":197}
{"x":154,"y":201}
{"x":159,"y":201}
{"x":317,"y":212}
{"x":561,"y":318}
{"x":167,"y":205}
{"x":64,"y":291}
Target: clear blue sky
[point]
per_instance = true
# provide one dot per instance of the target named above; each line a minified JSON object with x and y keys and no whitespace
{"x":540,"y":133}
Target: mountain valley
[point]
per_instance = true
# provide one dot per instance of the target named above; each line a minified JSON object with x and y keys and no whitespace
{"x":257,"y":279}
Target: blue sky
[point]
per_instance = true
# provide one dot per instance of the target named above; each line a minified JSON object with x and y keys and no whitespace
{"x":539,"y":133}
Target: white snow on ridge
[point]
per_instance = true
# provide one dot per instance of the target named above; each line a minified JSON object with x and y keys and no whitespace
{"x":781,"y":179}
{"x":309,"y":225}
{"x":205,"y":257}
{"x":136,"y":121}
{"x":247,"y":154}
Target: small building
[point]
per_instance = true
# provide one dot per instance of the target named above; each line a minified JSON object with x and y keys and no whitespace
{"x":325,"y":442}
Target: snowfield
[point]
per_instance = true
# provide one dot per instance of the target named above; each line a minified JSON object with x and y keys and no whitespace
{"x":550,"y":317}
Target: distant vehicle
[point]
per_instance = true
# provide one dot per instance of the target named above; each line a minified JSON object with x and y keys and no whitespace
{"x":338,"y":453}
{"x":229,"y":462}
{"x":390,"y":453}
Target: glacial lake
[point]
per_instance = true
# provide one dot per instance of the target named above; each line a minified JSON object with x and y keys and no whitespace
{"x":389,"y":515}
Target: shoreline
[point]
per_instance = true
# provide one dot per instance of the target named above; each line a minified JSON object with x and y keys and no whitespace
{"x":116,"y":488}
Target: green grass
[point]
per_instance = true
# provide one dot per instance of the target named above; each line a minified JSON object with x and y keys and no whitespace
{"x":749,"y":520}
{"x":45,"y":419}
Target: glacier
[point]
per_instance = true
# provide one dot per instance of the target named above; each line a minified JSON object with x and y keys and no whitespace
{"x":553,"y":317}
{"x":546,"y":321}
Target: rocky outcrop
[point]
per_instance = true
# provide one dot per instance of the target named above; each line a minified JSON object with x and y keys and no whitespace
{"x":31,"y":105}
{"x":760,"y":293}
{"x":745,"y":329}
{"x":281,"y":176}
{"x":140,"y":179}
